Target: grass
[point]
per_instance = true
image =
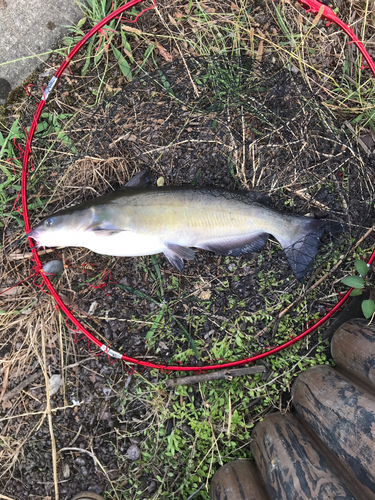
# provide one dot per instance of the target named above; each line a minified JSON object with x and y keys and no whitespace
{"x":193,"y":430}
{"x":101,"y":42}
{"x":10,"y":166}
{"x":190,"y":431}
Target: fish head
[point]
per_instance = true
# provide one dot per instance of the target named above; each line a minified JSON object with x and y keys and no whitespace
{"x":61,"y":229}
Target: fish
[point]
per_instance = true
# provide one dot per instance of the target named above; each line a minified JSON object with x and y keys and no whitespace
{"x":137,"y":221}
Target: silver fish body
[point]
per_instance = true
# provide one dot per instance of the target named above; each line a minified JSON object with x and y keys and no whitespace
{"x":172,"y":220}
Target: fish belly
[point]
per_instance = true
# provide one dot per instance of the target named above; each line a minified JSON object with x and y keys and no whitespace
{"x":125,"y":244}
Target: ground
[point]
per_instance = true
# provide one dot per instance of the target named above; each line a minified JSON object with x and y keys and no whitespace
{"x":125,"y":434}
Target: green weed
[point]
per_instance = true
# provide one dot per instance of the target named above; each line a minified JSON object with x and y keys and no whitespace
{"x":359,"y":284}
{"x":10,"y":167}
{"x":197,"y":428}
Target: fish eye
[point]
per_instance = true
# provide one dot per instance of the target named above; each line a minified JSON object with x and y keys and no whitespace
{"x":49,"y":222}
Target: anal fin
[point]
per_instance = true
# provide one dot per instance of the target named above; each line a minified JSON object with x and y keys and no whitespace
{"x":237,"y":245}
{"x":176,"y":255}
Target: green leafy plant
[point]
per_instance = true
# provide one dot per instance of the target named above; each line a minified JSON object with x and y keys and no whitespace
{"x":10,"y":167}
{"x":359,"y":284}
{"x":109,"y":36}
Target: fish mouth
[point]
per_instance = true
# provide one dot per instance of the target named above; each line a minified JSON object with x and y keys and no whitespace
{"x":34,"y":235}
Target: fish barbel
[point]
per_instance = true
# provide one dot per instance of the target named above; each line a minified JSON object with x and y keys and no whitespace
{"x":136,"y":221}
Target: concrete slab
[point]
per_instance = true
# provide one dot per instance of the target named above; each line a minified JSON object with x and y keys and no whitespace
{"x":28,"y":30}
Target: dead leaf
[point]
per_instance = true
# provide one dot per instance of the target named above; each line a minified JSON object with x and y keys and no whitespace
{"x":233,"y":6}
{"x":5,"y":381}
{"x":178,"y":14}
{"x":209,"y":10}
{"x":132,"y":30}
{"x":6,"y":405}
{"x":11,"y":291}
{"x":172,"y":20}
{"x":129,"y":55}
{"x":251,"y":34}
{"x":260,"y":51}
{"x":164,"y":53}
{"x":205,"y":295}
{"x":318,"y":16}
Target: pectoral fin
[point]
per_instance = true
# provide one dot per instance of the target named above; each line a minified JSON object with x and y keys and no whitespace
{"x":104,"y":228}
{"x":176,"y":255}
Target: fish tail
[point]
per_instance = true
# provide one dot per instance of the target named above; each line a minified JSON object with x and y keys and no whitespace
{"x":302,"y":248}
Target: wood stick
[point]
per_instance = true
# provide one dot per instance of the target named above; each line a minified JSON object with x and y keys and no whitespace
{"x":28,"y":255}
{"x":364,"y":146}
{"x":14,"y":392}
{"x":217,"y":375}
{"x":49,"y":416}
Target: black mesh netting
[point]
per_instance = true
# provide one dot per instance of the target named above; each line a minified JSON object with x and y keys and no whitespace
{"x":233,"y":123}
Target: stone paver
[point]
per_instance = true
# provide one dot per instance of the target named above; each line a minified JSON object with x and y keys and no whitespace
{"x":29,"y":29}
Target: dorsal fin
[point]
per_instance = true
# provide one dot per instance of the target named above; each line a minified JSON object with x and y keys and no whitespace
{"x":140,"y":180}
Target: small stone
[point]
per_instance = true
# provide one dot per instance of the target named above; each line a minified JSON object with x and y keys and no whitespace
{"x":133,"y":452}
{"x":55,"y":382}
{"x":66,"y":471}
{"x":53,"y":267}
{"x":106,"y":391}
{"x":84,"y":472}
{"x":5,"y":88}
{"x":95,"y":489}
{"x":151,"y":487}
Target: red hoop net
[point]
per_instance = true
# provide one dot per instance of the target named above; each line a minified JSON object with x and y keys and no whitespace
{"x":234,"y":123}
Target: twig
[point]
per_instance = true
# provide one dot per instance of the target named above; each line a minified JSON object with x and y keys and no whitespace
{"x":218,"y":375}
{"x":359,"y":140}
{"x":82,"y":450}
{"x":293,"y":367}
{"x":28,"y":414}
{"x":49,"y":415}
{"x":5,"y":381}
{"x":29,"y":255}
{"x":195,"y":493}
{"x":229,"y":414}
{"x":20,"y":386}
{"x":308,"y":198}
{"x":75,"y":437}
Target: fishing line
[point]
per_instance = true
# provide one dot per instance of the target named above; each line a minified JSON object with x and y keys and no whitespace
{"x":314,"y":7}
